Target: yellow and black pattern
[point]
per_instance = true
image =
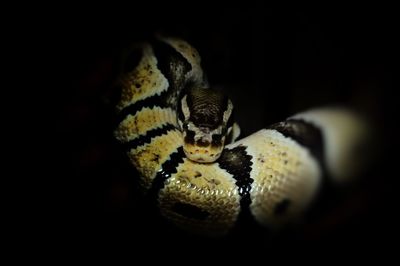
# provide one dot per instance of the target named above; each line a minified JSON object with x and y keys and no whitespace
{"x":144,"y":81}
{"x":201,"y":197}
{"x":271,"y":175}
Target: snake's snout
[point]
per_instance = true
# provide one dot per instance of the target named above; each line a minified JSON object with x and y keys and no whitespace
{"x":202,"y":154}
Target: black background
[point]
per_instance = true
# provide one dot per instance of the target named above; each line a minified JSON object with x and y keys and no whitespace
{"x":273,"y":63}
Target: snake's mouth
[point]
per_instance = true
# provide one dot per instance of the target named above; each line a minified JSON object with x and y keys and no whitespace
{"x":203,"y":146}
{"x":206,"y":154}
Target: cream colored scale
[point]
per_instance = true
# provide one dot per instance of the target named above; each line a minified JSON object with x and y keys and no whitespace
{"x":207,"y":187}
{"x":283,"y":171}
{"x":144,"y":81}
{"x":344,"y":132}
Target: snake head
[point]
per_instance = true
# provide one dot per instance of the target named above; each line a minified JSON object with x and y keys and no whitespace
{"x":205,"y":119}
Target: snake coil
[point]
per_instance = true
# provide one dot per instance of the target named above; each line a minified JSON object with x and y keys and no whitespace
{"x":271,"y":175}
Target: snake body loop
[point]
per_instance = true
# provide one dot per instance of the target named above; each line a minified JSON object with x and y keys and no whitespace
{"x":179,"y":134}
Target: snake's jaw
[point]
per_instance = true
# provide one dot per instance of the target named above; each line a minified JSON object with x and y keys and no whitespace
{"x":202,"y":145}
{"x":202,"y":154}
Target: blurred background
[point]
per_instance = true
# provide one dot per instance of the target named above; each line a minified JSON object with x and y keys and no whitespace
{"x":272,"y":63}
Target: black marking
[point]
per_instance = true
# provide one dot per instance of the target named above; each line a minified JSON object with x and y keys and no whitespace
{"x":146,"y":138}
{"x":202,"y":143}
{"x":238,"y":163}
{"x":281,"y":207}
{"x":304,"y":133}
{"x":156,"y":158}
{"x":150,"y":102}
{"x":132,"y":60}
{"x":185,"y":125}
{"x":197,"y":174}
{"x":189,"y":138}
{"x":216,"y":140}
{"x":171,"y":64}
{"x":166,"y":170}
{"x":190,"y":211}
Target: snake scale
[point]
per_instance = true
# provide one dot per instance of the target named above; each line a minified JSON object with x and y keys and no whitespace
{"x":180,"y":136}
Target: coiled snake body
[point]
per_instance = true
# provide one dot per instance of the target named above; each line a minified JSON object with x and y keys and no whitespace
{"x":175,"y":128}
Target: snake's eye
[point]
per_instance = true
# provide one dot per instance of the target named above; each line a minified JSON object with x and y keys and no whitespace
{"x":224,"y":130}
{"x":185,"y":126}
{"x":216,"y":140}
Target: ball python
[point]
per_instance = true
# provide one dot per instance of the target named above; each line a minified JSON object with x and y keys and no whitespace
{"x":181,"y":137}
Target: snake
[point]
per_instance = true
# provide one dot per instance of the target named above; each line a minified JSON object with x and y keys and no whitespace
{"x":180,"y":135}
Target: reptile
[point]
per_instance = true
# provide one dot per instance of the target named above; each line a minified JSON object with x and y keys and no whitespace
{"x":180,"y":135}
